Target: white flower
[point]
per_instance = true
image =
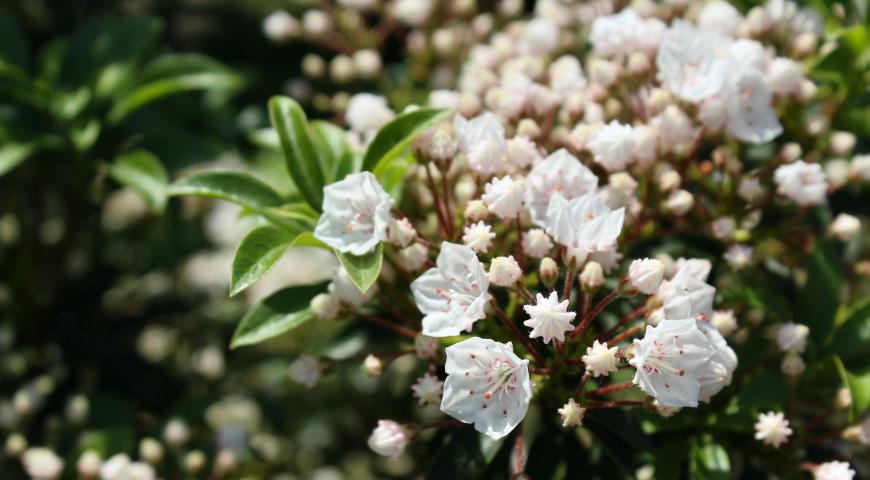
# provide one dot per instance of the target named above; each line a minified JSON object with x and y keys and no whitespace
{"x":428,"y":389}
{"x":608,"y":259}
{"x":625,"y":33}
{"x":487,"y":384}
{"x":750,"y":116}
{"x":536,"y":243}
{"x":356,"y":214}
{"x":792,"y":365}
{"x":401,"y":233}
{"x":372,"y":366}
{"x":115,"y":468}
{"x":750,"y":189}
{"x":719,"y":17}
{"x":89,"y":463}
{"x":645,"y":141}
{"x":413,"y":257}
{"x":140,"y":471}
{"x":522,"y":152}
{"x":784,"y":76}
{"x":724,"y":321}
{"x":612,"y":146}
{"x":675,"y":130}
{"x":560,"y":172}
{"x":572,"y":414}
{"x":476,"y":210}
{"x":685,"y":296}
{"x":453,"y":294}
{"x":833,"y":471}
{"x":504,"y":271}
{"x":772,"y":429}
{"x":539,"y":36}
{"x":306,"y":370}
{"x":600,"y":360}
{"x":716,"y":374}
{"x":42,"y":463}
{"x":504,"y":196}
{"x":412,"y":12}
{"x":679,"y":202}
{"x":549,"y":318}
{"x":478,"y":236}
{"x":176,"y":433}
{"x":687,"y":64}
{"x":669,"y":361}
{"x":723,"y":227}
{"x":566,"y":75}
{"x":482,"y":139}
{"x":698,"y":268}
{"x":583,"y":222}
{"x":280,"y":27}
{"x":860,"y":167}
{"x":325,"y":306}
{"x":845,"y":227}
{"x":646,"y":275}
{"x":792,"y":337}
{"x":389,"y":439}
{"x":592,"y":276}
{"x":367,"y":113}
{"x":738,"y":256}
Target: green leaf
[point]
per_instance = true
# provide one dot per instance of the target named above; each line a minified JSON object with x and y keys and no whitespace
{"x":144,"y":174}
{"x":331,"y":144}
{"x":307,"y":239}
{"x":709,"y":460}
{"x":466,"y":454}
{"x":237,"y":187}
{"x":279,"y":313}
{"x":391,"y":175}
{"x":851,"y":339}
{"x":303,"y":163}
{"x":364,"y":269}
{"x":83,"y":136}
{"x":819,"y":298}
{"x":257,"y":253}
{"x":766,"y":388}
{"x":399,"y":133}
{"x":12,"y":154}
{"x":858,"y":385}
{"x":171,"y":75}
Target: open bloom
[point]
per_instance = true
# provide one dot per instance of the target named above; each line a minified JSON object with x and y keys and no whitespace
{"x":504,"y":196}
{"x":482,"y":140}
{"x":669,"y":361}
{"x":646,"y":275}
{"x":718,"y":372}
{"x":356,"y":214}
{"x":612,"y":145}
{"x":600,"y":360}
{"x":685,"y":296}
{"x":583,"y":222}
{"x":833,"y":471}
{"x":389,"y":439}
{"x":42,"y":463}
{"x":772,"y":429}
{"x":801,"y":182}
{"x":487,"y":385}
{"x":687,"y":64}
{"x":453,"y":294}
{"x":560,"y":173}
{"x":549,"y":318}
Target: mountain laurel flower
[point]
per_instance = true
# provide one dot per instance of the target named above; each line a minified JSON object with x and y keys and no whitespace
{"x":442,"y":148}
{"x":356,"y":214}
{"x":687,"y":64}
{"x":549,"y":318}
{"x":42,"y":463}
{"x":584,"y":222}
{"x":724,"y":321}
{"x":792,"y":365}
{"x":306,"y":370}
{"x":738,"y":256}
{"x":645,"y":275}
{"x":600,"y":361}
{"x":413,"y":257}
{"x":373,"y":366}
{"x":475,"y":210}
{"x":482,"y":140}
{"x":792,"y":337}
{"x":88,"y":464}
{"x":717,"y":373}
{"x":522,"y":152}
{"x":845,"y":227}
{"x":478,"y":236}
{"x":560,"y":172}
{"x":679,"y":202}
{"x":669,"y":360}
{"x":504,"y":271}
{"x":487,"y":385}
{"x":325,"y":306}
{"x":612,"y":146}
{"x":367,"y":113}
{"x":801,"y":182}
{"x":536,"y":243}
{"x":548,"y":272}
{"x":592,"y":276}
{"x":116,"y":467}
{"x":401,"y":233}
{"x":772,"y":429}
{"x":723,"y":227}
{"x":281,"y":27}
{"x":389,"y":439}
{"x":833,"y":471}
{"x":572,"y":414}
{"x":453,"y":294}
{"x":428,"y":389}
{"x":504,"y":196}
{"x":685,"y":296}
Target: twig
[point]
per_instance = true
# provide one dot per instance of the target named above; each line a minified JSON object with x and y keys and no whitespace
{"x":517,"y":333}
{"x":587,"y":318}
{"x":390,"y":326}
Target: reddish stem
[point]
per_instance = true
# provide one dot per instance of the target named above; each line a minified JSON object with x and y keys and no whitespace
{"x":609,"y":389}
{"x":517,"y":333}
{"x":390,"y":326}
{"x":626,"y":334}
{"x":613,"y":403}
{"x":587,"y":319}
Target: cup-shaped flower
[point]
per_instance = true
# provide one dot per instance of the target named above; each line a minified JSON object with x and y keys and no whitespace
{"x":356,"y":214}
{"x":453,"y":294}
{"x":505,"y":196}
{"x":670,"y":360}
{"x":646,"y":275}
{"x":482,"y":140}
{"x":684,"y":296}
{"x":801,"y":182}
{"x":717,"y":373}
{"x":583,"y":222}
{"x":487,"y":385}
{"x":560,"y":172}
{"x":549,"y":318}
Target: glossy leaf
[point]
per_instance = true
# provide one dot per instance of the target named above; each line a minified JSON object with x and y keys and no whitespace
{"x":237,"y":187}
{"x":12,"y":154}
{"x":303,"y":163}
{"x":364,"y":269}
{"x":466,"y":454}
{"x":331,"y":145}
{"x":257,"y":254}
{"x":307,"y":239}
{"x":710,"y":460}
{"x":279,"y":313}
{"x":851,"y":339}
{"x":399,"y":133}
{"x":819,"y":298}
{"x":144,"y":174}
{"x":858,"y":384}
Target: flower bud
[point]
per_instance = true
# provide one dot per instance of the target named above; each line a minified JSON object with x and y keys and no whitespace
{"x":805,"y":44}
{"x":536,"y":243}
{"x":529,"y":128}
{"x":476,"y":210}
{"x":724,"y":321}
{"x":226,"y":461}
{"x":548,"y":272}
{"x":845,"y":227}
{"x":844,"y":398}
{"x":723,"y":228}
{"x":368,"y":63}
{"x":89,"y":464}
{"x":413,"y":257}
{"x":342,"y":69}
{"x":194,"y":461}
{"x":679,"y":202}
{"x":575,"y":257}
{"x":592,"y":276}
{"x":504,"y":271}
{"x":669,"y":180}
{"x":638,"y":63}
{"x":442,"y":148}
{"x":42,"y":463}
{"x":837,"y":172}
{"x":281,"y":27}
{"x":792,"y":337}
{"x":77,"y":409}
{"x":572,"y":414}
{"x":373,"y":366}
{"x":860,"y":168}
{"x":313,"y":65}
{"x":316,"y":23}
{"x":176,"y":433}
{"x":16,"y":444}
{"x":150,"y":450}
{"x":389,"y":439}
{"x":793,"y":365}
{"x":645,"y":275}
{"x":325,"y":306}
{"x":842,"y":143}
{"x":401,"y":233}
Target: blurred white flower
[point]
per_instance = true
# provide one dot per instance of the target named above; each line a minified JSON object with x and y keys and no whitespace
{"x":389,"y":439}
{"x":356,"y":214}
{"x":42,"y":463}
{"x":833,"y":471}
{"x":772,"y":429}
{"x":504,"y":196}
{"x":803,"y":183}
{"x":428,"y":389}
{"x":792,"y":337}
{"x":560,"y":173}
{"x":583,"y":222}
{"x":478,"y":236}
{"x":306,"y":370}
